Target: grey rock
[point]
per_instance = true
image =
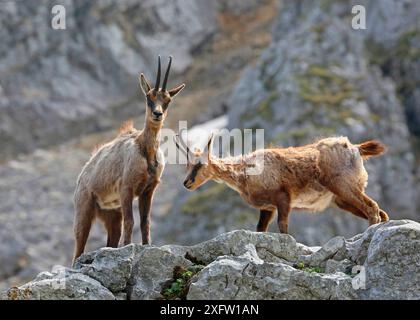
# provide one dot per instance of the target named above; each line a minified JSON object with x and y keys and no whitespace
{"x":153,"y":270}
{"x":270,"y":246}
{"x":246,"y":265}
{"x":247,"y":277}
{"x":60,"y":284}
{"x":111,"y":267}
{"x":343,"y":266}
{"x":393,"y":261}
{"x":334,"y":248}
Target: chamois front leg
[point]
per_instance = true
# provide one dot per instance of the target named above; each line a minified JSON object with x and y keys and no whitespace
{"x":127,"y":209}
{"x":265,"y":218}
{"x":283,"y":210}
{"x":145,"y":206}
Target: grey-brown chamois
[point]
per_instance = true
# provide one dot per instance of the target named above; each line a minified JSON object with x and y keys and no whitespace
{"x":126,"y":168}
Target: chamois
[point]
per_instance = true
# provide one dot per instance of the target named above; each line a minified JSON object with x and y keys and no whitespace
{"x":128,"y":167}
{"x":310,"y":177}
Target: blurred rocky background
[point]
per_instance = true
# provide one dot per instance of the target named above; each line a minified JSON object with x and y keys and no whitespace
{"x":295,"y":68}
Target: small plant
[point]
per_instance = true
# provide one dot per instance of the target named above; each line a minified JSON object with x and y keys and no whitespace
{"x":303,"y":267}
{"x":178,"y":288}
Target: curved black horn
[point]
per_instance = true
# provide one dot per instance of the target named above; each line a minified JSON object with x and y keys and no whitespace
{"x":157,"y":84}
{"x":165,"y":80}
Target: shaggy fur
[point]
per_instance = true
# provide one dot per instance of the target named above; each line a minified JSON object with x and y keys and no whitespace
{"x":128,"y":167}
{"x":311,"y":177}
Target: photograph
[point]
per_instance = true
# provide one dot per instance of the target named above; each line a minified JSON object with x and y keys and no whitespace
{"x":228,"y":152}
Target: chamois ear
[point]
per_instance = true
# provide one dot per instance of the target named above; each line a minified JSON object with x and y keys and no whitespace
{"x":209,"y":147}
{"x":173,"y":92}
{"x":144,"y":84}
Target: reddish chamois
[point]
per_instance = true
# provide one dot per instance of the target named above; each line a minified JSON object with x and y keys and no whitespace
{"x":128,"y":167}
{"x":311,"y":177}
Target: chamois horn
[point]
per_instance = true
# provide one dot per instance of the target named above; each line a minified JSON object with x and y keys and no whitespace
{"x":165,"y":80}
{"x":157,"y":84}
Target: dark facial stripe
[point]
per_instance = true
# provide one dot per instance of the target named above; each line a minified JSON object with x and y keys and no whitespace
{"x":195,"y":171}
{"x":150,"y":103}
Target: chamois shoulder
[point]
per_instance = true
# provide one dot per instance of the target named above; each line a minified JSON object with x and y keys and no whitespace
{"x":125,"y":131}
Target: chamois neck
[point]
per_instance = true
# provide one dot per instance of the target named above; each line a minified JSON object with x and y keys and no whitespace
{"x":151,"y":133}
{"x":230,"y":171}
{"x":149,"y":139}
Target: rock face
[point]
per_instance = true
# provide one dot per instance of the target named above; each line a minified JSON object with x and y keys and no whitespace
{"x":381,"y":263}
{"x":60,"y":80}
{"x":319,"y":78}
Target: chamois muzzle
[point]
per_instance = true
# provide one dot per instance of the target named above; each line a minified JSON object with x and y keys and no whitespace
{"x":157,"y":115}
{"x":188,"y":183}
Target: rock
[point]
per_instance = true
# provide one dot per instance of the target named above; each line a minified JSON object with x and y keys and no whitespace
{"x":247,"y":277}
{"x":153,"y":270}
{"x":381,"y":263}
{"x":343,"y":266}
{"x":270,"y":246}
{"x":334,"y":248}
{"x":393,"y":261}
{"x":111,"y":267}
{"x":60,"y":284}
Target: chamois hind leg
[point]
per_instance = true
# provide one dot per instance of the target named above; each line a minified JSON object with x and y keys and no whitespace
{"x":384,"y":215}
{"x":112,"y":220}
{"x":127,"y":212}
{"x":350,"y":208}
{"x":265,"y":218}
{"x":85,"y":214}
{"x":357,"y":198}
{"x":283,"y":210}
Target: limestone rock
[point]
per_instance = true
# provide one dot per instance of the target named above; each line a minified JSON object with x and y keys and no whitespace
{"x":60,"y":284}
{"x":381,"y":263}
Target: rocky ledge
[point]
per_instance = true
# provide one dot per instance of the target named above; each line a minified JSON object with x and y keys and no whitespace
{"x":381,"y":263}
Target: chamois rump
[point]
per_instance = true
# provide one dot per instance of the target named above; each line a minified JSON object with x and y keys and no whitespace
{"x":310,"y":177}
{"x":128,"y":167}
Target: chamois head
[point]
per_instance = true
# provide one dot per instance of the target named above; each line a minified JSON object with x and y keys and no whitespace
{"x":200,"y":168}
{"x":158,"y":98}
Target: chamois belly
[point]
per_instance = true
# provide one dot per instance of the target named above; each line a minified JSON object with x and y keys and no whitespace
{"x":312,"y":200}
{"x":109,"y":199}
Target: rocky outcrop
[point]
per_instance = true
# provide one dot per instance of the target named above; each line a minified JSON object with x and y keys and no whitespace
{"x":381,"y":263}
